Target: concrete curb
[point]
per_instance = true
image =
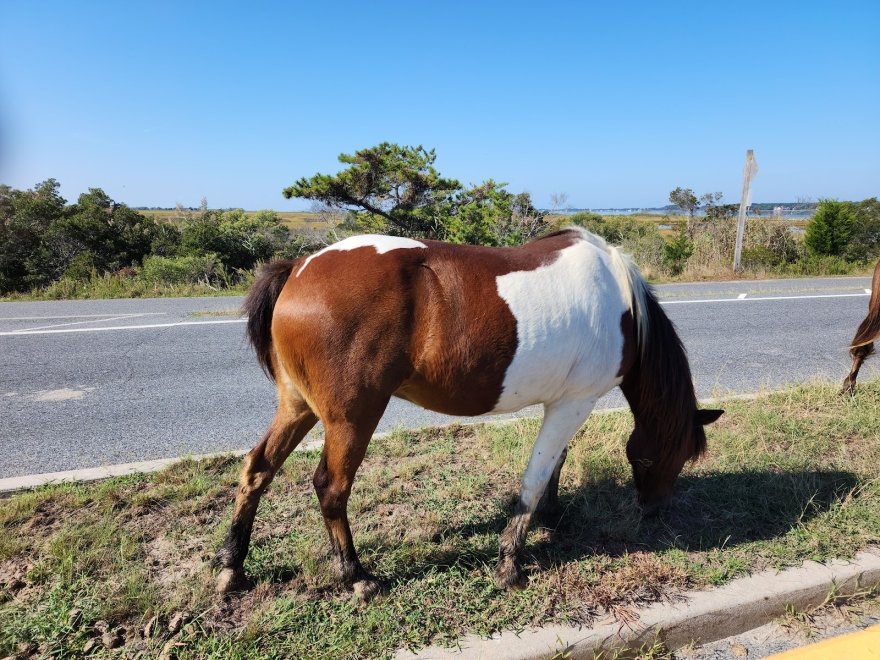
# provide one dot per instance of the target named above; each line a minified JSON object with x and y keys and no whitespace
{"x":704,"y":616}
{"x":12,"y":485}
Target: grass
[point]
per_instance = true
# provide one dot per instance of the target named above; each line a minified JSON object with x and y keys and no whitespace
{"x":291,"y":219}
{"x":789,"y":477}
{"x":111,"y":285}
{"x":851,"y":609}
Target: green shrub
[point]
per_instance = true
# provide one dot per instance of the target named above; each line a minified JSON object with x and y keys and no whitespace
{"x":829,"y":230}
{"x":819,"y":265}
{"x":616,"y":229}
{"x":677,"y":251}
{"x":81,"y":267}
{"x":864,"y":243}
{"x":184,"y":270}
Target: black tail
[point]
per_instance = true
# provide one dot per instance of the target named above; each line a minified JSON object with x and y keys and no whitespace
{"x":259,"y":306}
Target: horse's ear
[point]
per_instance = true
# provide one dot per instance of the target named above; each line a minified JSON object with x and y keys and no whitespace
{"x":708,"y":416}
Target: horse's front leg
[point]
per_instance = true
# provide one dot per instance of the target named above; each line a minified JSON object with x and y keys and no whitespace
{"x":561,"y":421}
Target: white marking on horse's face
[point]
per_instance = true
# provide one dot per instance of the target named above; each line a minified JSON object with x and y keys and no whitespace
{"x":382,"y":244}
{"x":569,"y":339}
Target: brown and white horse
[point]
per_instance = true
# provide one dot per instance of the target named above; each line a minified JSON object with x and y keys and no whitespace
{"x":461,"y":330}
{"x":862,"y":344}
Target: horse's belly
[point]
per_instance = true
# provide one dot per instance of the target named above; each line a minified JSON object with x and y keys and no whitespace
{"x":468,"y":397}
{"x":545,"y":382}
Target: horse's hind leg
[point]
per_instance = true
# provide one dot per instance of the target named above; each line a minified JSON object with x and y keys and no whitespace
{"x":561,"y":421}
{"x":293,"y":420}
{"x":345,"y":444}
{"x":859,"y":355}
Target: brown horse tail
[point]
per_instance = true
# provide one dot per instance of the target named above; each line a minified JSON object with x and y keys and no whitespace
{"x":869,"y":329}
{"x":259,"y":306}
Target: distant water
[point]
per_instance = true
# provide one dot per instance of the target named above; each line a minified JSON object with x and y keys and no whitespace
{"x":787,"y":213}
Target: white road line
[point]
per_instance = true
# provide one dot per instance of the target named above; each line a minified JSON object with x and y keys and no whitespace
{"x":97,"y":320}
{"x":720,"y":300}
{"x":741,"y":296}
{"x":697,"y":301}
{"x":19,"y":333}
{"x":78,"y":316}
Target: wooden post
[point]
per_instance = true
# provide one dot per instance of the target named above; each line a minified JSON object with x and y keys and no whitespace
{"x":749,"y":171}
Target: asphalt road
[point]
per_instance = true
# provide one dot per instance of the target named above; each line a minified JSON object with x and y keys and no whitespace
{"x":91,"y":383}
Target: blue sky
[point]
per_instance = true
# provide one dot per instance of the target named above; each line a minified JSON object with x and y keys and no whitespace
{"x":613,"y":104}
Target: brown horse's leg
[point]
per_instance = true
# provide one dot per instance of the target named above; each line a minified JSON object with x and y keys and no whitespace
{"x":292,"y":421}
{"x":548,"y":505}
{"x":859,"y":354}
{"x":345,"y":444}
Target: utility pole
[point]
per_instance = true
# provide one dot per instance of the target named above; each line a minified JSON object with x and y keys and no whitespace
{"x":749,"y":172}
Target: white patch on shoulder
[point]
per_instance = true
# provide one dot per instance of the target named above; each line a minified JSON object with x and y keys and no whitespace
{"x":382,"y":244}
{"x":569,"y":340}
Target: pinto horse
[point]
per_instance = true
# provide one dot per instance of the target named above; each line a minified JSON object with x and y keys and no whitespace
{"x":862,"y":345}
{"x":461,"y":330}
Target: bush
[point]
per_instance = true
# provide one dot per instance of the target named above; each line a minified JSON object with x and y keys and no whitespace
{"x":864,"y":243}
{"x":205,"y":269}
{"x":616,"y":229}
{"x":677,"y":251}
{"x":830,"y":229}
{"x":81,"y":267}
{"x":812,"y":265}
{"x":238,"y":240}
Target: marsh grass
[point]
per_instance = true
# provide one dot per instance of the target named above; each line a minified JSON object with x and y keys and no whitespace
{"x":114,"y":285}
{"x":788,"y":477}
{"x":292,"y":219}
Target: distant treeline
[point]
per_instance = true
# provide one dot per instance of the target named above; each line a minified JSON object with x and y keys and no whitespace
{"x":44,"y":240}
{"x":98,"y":247}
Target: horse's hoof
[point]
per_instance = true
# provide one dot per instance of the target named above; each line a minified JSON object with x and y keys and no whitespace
{"x":848,"y":389}
{"x":231,"y":580}
{"x":366,"y":589}
{"x":510,"y":576}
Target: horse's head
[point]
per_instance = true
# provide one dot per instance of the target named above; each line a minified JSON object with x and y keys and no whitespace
{"x":657,"y":460}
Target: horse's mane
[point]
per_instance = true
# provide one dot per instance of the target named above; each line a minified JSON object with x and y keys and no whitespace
{"x":665,"y":387}
{"x":659,"y":386}
{"x":633,"y":287}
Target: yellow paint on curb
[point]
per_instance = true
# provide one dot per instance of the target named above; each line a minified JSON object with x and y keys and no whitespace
{"x":864,"y":645}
